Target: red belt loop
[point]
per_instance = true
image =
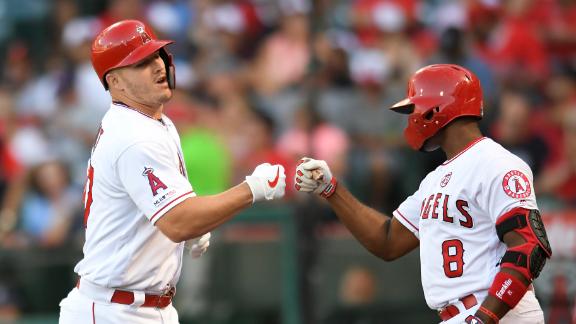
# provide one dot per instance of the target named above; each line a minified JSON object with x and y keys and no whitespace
{"x":450,"y":311}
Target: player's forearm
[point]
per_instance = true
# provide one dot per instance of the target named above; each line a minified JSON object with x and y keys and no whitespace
{"x":495,"y":306}
{"x":493,"y":309}
{"x":366,"y":224}
{"x":198,"y":215}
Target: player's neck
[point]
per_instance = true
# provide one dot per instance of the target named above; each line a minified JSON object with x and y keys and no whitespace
{"x":458,"y":137}
{"x":154,"y":112}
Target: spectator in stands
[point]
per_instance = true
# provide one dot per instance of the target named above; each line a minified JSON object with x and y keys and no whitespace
{"x":290,"y":46}
{"x":513,"y":128}
{"x":77,"y":39}
{"x":50,"y":206}
{"x":262,"y":146}
{"x":514,"y":48}
{"x":356,"y":299}
{"x":334,"y":88}
{"x":12,"y":173}
{"x":375,"y":131}
{"x":559,"y":179}
{"x":310,"y":136}
{"x":454,"y":47}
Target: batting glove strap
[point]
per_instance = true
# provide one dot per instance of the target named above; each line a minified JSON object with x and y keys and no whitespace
{"x":330,"y":188}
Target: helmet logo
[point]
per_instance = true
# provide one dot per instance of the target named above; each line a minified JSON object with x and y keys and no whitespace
{"x":143,"y":35}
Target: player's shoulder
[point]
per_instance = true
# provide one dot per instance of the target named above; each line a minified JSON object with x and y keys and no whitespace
{"x":497,"y":159}
{"x":124,"y":128}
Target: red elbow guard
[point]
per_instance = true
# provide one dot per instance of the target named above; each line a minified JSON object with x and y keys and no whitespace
{"x":508,"y":289}
{"x":528,"y":258}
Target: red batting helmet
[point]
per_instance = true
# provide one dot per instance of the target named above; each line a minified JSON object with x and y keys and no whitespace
{"x":125,"y":43}
{"x":438,"y":94}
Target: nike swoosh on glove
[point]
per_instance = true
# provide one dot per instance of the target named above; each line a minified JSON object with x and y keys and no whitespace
{"x":267,"y":182}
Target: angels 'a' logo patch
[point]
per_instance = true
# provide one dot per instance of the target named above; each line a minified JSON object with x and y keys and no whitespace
{"x":516,"y":184}
{"x":445,"y":180}
{"x":154,"y":182}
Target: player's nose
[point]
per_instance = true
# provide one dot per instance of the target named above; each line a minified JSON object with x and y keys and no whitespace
{"x":158,"y":64}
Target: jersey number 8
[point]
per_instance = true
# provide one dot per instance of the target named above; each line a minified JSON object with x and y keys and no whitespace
{"x":453,"y":255}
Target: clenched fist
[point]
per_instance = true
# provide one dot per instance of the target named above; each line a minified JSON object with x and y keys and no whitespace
{"x":267,"y":182}
{"x":315,"y":176}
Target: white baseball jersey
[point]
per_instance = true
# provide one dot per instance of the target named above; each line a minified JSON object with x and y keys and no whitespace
{"x":135,"y":175}
{"x":453,"y":213}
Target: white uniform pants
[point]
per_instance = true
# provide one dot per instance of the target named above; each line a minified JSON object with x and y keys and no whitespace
{"x":527,"y":311}
{"x":77,"y":308}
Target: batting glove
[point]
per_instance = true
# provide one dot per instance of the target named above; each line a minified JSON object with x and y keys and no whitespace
{"x":267,"y":182}
{"x":198,"y":246}
{"x":315,"y":176}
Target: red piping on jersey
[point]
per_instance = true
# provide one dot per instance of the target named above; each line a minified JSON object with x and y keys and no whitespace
{"x":406,"y":219}
{"x":121,"y":104}
{"x":168,"y":204}
{"x":465,"y":149}
{"x":93,"y":314}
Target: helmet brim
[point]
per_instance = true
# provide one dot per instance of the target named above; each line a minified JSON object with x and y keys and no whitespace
{"x":405,"y":106}
{"x":143,"y":52}
{"x":408,"y":105}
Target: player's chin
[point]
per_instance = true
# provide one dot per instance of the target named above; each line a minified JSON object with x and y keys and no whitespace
{"x":165,"y":95}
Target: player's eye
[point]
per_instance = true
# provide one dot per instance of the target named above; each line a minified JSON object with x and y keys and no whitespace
{"x":147,"y":61}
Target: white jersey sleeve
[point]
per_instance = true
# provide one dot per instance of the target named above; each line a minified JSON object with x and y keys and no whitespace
{"x":408,"y":214}
{"x":152,"y":179}
{"x":510,"y":185}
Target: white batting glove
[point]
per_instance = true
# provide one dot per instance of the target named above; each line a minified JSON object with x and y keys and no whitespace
{"x":198,"y":246}
{"x":267,"y":182}
{"x":315,"y":176}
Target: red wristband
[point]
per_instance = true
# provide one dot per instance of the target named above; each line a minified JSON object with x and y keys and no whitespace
{"x":489,"y":313}
{"x":508,"y":289}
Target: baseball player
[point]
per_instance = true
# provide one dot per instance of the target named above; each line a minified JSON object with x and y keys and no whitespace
{"x":139,"y":206}
{"x":483,"y":241}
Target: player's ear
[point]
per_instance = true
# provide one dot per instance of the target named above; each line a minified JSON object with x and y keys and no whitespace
{"x":113,"y":80}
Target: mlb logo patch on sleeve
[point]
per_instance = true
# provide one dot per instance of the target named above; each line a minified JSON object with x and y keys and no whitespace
{"x":516,"y":184}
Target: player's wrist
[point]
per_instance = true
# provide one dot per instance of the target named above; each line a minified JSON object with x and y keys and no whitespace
{"x":487,"y":316}
{"x":256,"y":188}
{"x":330,"y":188}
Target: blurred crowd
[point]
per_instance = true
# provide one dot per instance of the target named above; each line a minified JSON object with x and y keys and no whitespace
{"x":275,"y":80}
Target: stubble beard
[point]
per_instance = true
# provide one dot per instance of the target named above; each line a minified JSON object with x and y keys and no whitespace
{"x":165,"y":97}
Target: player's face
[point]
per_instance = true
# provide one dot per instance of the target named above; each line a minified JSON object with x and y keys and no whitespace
{"x":434,"y":142}
{"x":146,"y":81}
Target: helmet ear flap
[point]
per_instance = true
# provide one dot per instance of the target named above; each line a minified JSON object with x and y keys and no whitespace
{"x":170,"y":70}
{"x":171,"y":76}
{"x":104,"y":82}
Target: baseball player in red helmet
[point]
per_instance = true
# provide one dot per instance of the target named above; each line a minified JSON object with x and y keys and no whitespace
{"x":139,"y":207}
{"x":483,"y":241}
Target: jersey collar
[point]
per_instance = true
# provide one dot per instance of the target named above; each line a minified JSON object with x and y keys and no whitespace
{"x":469,"y":146}
{"x":121,"y":104}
